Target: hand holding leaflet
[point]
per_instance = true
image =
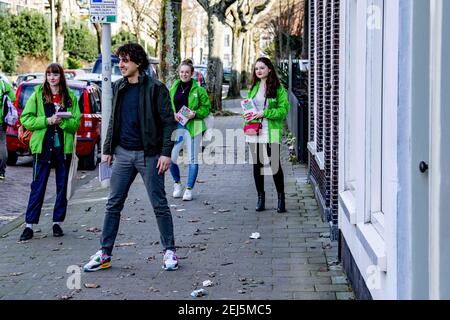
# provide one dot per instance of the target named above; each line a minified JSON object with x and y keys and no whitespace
{"x":183,"y":115}
{"x":104,"y":171}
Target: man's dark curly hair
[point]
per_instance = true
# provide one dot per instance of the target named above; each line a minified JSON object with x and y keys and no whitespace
{"x":136,"y":53}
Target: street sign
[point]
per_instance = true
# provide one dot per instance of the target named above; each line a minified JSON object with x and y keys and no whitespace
{"x":103,"y":11}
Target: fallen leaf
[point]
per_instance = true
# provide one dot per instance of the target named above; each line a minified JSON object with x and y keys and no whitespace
{"x":201,"y":181}
{"x":206,"y":203}
{"x":226,"y":263}
{"x":15,"y":274}
{"x":153,"y":289}
{"x":91,"y":285}
{"x":65,"y":297}
{"x":193,"y":221}
{"x":88,"y":209}
{"x":224,"y":210}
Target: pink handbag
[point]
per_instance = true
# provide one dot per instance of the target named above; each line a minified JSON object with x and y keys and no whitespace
{"x":253,"y":129}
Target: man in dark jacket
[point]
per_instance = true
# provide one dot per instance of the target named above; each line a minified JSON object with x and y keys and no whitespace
{"x":139,"y":137}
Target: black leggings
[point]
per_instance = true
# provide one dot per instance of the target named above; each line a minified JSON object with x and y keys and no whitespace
{"x":258,"y":151}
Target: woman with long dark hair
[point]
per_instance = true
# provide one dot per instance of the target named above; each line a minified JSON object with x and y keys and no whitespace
{"x":272,"y":103}
{"x":51,"y":144}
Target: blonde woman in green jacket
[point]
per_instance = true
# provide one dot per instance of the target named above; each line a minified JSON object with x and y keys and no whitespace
{"x":51,"y":144}
{"x":272,"y":102}
{"x":187,"y":92}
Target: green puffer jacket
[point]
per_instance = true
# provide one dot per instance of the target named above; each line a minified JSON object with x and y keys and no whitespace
{"x":275,"y":112}
{"x":199,"y":102}
{"x":37,"y":122}
{"x":11,"y":95}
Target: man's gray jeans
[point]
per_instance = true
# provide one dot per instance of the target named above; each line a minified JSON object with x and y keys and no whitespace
{"x":3,"y":151}
{"x":127,"y":164}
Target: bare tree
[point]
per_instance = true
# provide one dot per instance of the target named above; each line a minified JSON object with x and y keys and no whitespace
{"x":216,"y":11}
{"x":305,"y":47}
{"x":97,"y":26}
{"x":144,"y":19}
{"x":243,"y":15}
{"x":285,"y":20}
{"x":170,"y":40}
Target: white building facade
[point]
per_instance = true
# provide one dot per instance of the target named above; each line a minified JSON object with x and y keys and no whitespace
{"x":394,"y":181}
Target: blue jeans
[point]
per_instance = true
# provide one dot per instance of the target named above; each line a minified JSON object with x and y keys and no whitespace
{"x":127,"y":164}
{"x":193,"y":149}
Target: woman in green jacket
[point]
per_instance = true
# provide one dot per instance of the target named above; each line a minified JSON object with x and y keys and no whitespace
{"x":272,"y":102}
{"x":51,"y":144}
{"x":187,"y":92}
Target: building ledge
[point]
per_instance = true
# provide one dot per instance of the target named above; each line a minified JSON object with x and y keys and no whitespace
{"x":347,"y":201}
{"x":373,"y":244}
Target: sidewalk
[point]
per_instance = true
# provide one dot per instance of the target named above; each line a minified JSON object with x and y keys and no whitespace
{"x":294,"y":259}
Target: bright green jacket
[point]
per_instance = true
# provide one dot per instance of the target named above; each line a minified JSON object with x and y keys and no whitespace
{"x":37,"y":122}
{"x":11,"y":95}
{"x":276,"y":112}
{"x":198,"y":102}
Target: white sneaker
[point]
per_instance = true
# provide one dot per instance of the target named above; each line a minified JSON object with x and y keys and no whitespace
{"x":170,"y":261}
{"x":177,"y":190}
{"x":187,"y":195}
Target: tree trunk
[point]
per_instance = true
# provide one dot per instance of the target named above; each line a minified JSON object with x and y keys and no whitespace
{"x":305,"y":48}
{"x":215,"y":66}
{"x":234,"y":91}
{"x":288,"y":30}
{"x":247,"y":64}
{"x":59,"y":33}
{"x":170,"y":40}
{"x":98,"y":31}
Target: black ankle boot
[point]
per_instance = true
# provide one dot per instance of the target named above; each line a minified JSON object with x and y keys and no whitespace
{"x":261,"y":205}
{"x":281,"y":208}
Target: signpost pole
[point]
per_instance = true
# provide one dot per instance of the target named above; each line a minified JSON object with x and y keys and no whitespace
{"x":105,"y":11}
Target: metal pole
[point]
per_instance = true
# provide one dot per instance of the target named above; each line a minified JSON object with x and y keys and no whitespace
{"x":52,"y":8}
{"x":290,"y":73}
{"x":106,"y":85}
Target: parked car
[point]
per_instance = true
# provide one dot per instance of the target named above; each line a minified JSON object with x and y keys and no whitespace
{"x":198,"y":76}
{"x":202,"y":68}
{"x":27,"y":77}
{"x":96,"y":75}
{"x":72,"y":73}
{"x":226,"y":74}
{"x":88,"y":135}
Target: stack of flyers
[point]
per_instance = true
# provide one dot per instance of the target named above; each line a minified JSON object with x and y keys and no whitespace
{"x":183,"y":115}
{"x":248,"y":107}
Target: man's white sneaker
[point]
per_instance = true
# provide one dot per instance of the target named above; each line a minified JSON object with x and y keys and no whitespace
{"x":170,"y":261}
{"x":177,"y":190}
{"x":187,"y":195}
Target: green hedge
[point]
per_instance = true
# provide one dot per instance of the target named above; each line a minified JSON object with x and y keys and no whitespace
{"x":29,"y":33}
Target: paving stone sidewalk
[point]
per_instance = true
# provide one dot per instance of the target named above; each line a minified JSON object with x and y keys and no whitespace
{"x":293,"y":259}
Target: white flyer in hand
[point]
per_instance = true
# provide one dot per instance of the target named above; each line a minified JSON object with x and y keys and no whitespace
{"x":183,"y":115}
{"x":64,"y":115}
{"x":104,"y":171}
{"x":248,"y":106}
